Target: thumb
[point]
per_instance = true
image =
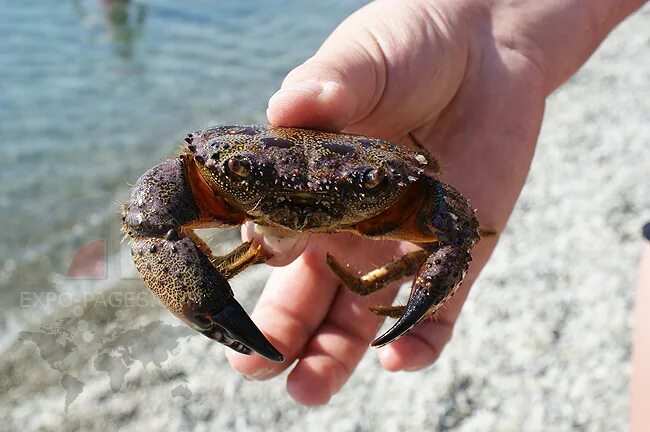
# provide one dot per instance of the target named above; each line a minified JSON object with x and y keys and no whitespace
{"x":387,"y":69}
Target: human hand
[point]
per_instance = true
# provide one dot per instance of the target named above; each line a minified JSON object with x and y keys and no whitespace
{"x":469,"y":79}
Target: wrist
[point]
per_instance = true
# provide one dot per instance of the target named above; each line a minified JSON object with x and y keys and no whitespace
{"x":587,"y":25}
{"x":609,"y":13}
{"x":556,"y":36}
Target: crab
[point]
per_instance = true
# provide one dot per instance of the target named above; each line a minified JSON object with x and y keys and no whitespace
{"x":294,"y":180}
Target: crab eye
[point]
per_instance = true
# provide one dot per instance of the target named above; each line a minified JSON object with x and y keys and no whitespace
{"x":239,"y":167}
{"x":373,"y":177}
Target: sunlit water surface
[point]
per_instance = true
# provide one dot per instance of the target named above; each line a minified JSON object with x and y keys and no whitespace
{"x":92,"y":94}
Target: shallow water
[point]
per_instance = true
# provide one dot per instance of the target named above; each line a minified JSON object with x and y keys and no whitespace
{"x":94,"y":94}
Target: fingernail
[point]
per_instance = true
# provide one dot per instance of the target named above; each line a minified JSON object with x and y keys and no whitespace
{"x":261,"y":374}
{"x":313,"y":88}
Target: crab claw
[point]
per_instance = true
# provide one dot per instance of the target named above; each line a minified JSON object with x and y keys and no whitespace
{"x":187,"y":283}
{"x":414,"y":312}
{"x":178,"y":267}
{"x":436,"y":281}
{"x":233,"y":327}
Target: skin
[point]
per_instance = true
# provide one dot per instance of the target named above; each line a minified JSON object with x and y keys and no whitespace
{"x":640,"y":382}
{"x":469,"y":78}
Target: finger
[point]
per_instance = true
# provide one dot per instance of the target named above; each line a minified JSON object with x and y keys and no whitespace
{"x":422,"y":346}
{"x":293,"y":304}
{"x":336,"y":348}
{"x":340,"y":342}
{"x":297,"y":299}
{"x":279,"y":246}
{"x":325,"y":105}
{"x":363,"y":76}
{"x":419,"y":348}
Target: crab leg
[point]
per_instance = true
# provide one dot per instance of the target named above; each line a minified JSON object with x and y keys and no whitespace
{"x":178,"y":267}
{"x":233,"y":263}
{"x":240,"y":259}
{"x":437,"y":280}
{"x":401,"y":267}
{"x":451,"y":219}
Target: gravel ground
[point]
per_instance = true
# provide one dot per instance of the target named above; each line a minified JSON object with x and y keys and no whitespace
{"x":543,"y":342}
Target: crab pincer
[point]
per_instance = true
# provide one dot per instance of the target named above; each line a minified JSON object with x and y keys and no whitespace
{"x":172,"y":263}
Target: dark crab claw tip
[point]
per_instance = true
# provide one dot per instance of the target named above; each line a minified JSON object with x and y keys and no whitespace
{"x":416,"y":309}
{"x":233,"y":320}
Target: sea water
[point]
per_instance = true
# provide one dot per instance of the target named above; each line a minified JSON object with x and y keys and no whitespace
{"x":92,"y":93}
